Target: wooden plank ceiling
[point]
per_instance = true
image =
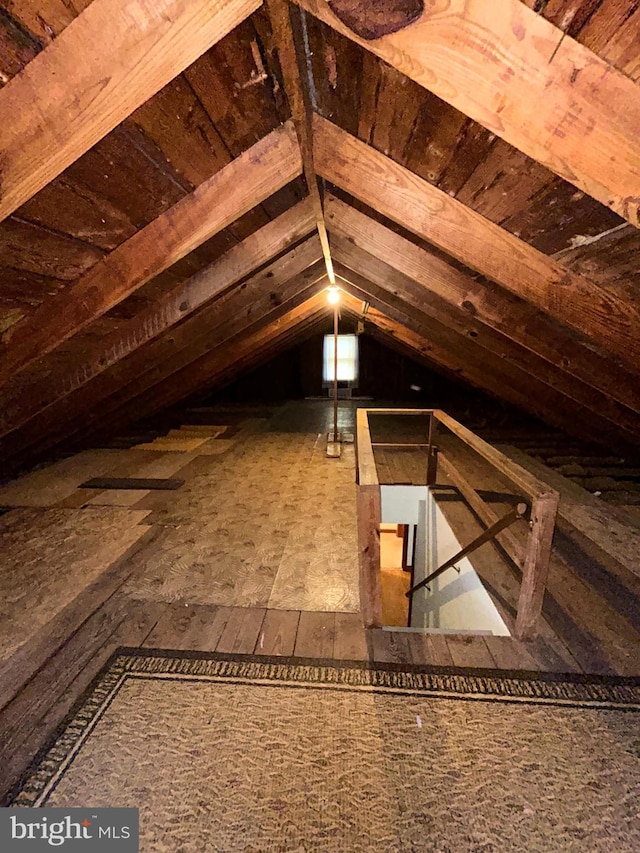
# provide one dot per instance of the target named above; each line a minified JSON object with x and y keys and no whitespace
{"x":177,"y":189}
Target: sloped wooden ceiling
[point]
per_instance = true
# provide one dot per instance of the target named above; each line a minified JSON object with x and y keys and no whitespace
{"x":173,"y":205}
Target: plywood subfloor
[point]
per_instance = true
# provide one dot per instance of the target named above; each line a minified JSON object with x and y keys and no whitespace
{"x":49,"y":485}
{"x":271,"y":525}
{"x":48,"y":556}
{"x":58,"y":482}
{"x":232,"y":535}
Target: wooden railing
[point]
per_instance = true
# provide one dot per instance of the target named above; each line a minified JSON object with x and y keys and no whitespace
{"x":532,"y":557}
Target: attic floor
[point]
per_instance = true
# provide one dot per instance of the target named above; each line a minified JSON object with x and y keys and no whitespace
{"x":256,"y":553}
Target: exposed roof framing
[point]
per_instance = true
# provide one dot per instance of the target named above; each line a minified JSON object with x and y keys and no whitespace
{"x":232,"y":359}
{"x":220,"y":361}
{"x":495,"y":352}
{"x":301,"y":110}
{"x":95,"y":75}
{"x":265,"y":296}
{"x":522,"y":78}
{"x":249,"y":179}
{"x":478,"y":301}
{"x":39,"y":388}
{"x":431,"y":214}
{"x":155,"y":243}
{"x":476,"y":364}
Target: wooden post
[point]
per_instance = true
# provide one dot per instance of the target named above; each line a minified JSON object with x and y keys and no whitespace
{"x":369,"y":513}
{"x":335,"y":373}
{"x":432,"y":451}
{"x":369,"y":518}
{"x":536,"y":564}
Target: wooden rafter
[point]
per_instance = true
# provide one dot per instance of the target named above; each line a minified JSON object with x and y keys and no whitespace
{"x":301,"y":111}
{"x":34,"y":390}
{"x":175,"y":381}
{"x":602,"y":316}
{"x":525,"y":80}
{"x":469,"y":362}
{"x":242,"y":353}
{"x":497,"y":353}
{"x":248,"y":352}
{"x":106,"y":63}
{"x":233,"y":313}
{"x":247,"y":181}
{"x":479,"y":302}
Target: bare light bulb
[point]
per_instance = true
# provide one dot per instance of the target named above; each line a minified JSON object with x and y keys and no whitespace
{"x":333,"y":295}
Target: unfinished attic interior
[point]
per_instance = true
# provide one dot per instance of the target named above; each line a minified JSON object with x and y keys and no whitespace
{"x":319,"y":421}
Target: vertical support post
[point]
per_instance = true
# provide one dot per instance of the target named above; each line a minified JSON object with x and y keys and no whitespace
{"x":369,"y":513}
{"x":536,"y":564}
{"x":335,"y":373}
{"x":432,"y":451}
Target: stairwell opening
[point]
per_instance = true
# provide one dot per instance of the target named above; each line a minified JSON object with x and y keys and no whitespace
{"x":415,"y":539}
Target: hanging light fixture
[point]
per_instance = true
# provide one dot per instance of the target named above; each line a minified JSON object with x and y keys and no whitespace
{"x":333,"y":295}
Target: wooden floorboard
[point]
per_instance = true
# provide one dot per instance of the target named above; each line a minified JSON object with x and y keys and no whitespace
{"x":548,"y":659}
{"x":240,"y":634}
{"x":470,"y":650}
{"x":388,"y":646}
{"x":499,"y":576}
{"x":588,"y":626}
{"x":615,"y":583}
{"x":278,"y":633}
{"x":350,"y":637}
{"x":509,"y":653}
{"x":431,"y":649}
{"x":44,"y":703}
{"x":22,"y":720}
{"x":316,"y":635}
{"x":193,"y":627}
{"x":597,"y":634}
{"x":22,"y":665}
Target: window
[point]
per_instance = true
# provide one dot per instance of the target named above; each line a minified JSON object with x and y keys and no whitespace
{"x":347,"y":358}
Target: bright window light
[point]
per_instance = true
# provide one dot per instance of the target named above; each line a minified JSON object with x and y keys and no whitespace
{"x":347,"y":358}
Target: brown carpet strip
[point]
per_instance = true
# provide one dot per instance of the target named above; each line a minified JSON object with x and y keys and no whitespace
{"x":253,"y":754}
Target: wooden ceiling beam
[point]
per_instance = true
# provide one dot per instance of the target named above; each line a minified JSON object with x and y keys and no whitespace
{"x":478,"y":368}
{"x":36,"y":389}
{"x":212,"y":328}
{"x":486,"y":303}
{"x":495,"y":352}
{"x":231,"y":314}
{"x":111,"y":59}
{"x":604,"y":317}
{"x":248,"y":180}
{"x":522,"y":78}
{"x":288,"y":46}
{"x":201,"y":368}
{"x":251,"y":352}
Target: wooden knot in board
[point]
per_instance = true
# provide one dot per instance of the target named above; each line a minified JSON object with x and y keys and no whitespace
{"x":372,"y":19}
